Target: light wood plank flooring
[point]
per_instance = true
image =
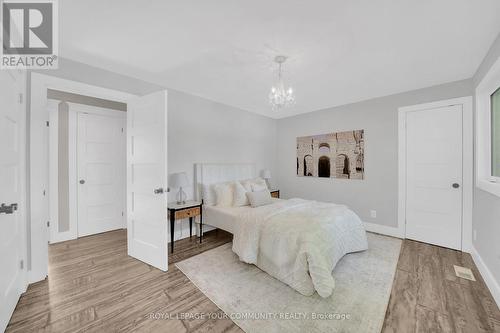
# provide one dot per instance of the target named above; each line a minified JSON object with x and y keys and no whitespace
{"x":93,"y":286}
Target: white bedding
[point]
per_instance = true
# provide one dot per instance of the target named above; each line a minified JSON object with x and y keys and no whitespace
{"x":297,"y":241}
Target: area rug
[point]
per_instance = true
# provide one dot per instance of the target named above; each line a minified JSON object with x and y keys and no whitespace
{"x":257,"y":302}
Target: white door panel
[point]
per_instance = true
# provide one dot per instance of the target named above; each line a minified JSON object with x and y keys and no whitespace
{"x":101,"y":172}
{"x":434,"y":164}
{"x":11,"y":238}
{"x":146,"y":172}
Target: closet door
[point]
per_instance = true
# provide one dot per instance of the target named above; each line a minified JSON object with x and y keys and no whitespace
{"x":101,"y":172}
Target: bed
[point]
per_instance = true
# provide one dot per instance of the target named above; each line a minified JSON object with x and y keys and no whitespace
{"x":297,"y":241}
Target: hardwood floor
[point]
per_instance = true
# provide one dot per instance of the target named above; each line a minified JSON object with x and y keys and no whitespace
{"x":427,"y":296}
{"x":93,"y":286}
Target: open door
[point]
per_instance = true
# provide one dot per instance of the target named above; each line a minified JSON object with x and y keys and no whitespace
{"x":11,"y":192}
{"x":147,"y":233}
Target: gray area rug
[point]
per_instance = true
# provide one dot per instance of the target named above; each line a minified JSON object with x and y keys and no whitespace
{"x":257,"y":302}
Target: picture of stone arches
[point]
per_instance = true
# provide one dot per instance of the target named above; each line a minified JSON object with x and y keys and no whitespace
{"x":333,"y":155}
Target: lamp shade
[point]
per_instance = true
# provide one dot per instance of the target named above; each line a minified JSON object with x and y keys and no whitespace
{"x":177,"y":180}
{"x":266,"y":174}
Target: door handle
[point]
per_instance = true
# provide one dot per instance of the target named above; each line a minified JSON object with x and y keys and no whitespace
{"x":455,"y":185}
{"x":10,"y":209}
{"x":82,"y":181}
{"x":159,"y":190}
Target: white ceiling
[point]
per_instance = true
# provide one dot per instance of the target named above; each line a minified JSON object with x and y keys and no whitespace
{"x":339,"y":51}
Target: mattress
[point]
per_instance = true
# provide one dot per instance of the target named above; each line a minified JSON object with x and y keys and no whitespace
{"x":222,"y":217}
{"x":225,"y":218}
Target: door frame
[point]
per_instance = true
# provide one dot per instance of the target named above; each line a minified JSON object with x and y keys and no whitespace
{"x":38,"y":234}
{"x":467,"y":163}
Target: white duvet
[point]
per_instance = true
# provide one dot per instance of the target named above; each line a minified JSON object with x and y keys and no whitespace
{"x":299,"y":242}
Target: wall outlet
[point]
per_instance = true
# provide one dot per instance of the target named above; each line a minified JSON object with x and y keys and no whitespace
{"x":373,"y":214}
{"x":474,"y":235}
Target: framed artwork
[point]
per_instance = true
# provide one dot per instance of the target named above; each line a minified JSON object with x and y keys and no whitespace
{"x":333,"y":155}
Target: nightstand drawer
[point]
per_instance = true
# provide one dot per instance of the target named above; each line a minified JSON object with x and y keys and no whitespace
{"x":185,"y":213}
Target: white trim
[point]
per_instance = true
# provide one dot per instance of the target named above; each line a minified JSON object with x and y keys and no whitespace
{"x":383,"y":229}
{"x":488,"y":86}
{"x":38,"y":142}
{"x":467,"y":168}
{"x":488,"y":277}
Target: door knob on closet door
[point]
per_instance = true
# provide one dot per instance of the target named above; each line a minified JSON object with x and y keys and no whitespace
{"x":456,"y":185}
{"x":82,"y":181}
{"x":159,"y":190}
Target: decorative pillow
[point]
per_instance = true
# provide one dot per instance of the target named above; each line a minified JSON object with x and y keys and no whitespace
{"x":224,"y":194}
{"x":259,"y":198}
{"x":208,"y":194}
{"x":240,"y":195}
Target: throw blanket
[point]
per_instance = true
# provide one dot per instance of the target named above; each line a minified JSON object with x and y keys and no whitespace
{"x":299,"y":242}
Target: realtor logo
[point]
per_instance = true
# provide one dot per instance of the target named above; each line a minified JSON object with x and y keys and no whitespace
{"x":29,"y":34}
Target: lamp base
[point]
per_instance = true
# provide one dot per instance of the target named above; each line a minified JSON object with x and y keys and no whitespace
{"x":181,"y":197}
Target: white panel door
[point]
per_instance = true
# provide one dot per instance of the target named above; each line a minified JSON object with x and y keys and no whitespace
{"x":434,"y":176}
{"x":147,"y":178}
{"x":11,"y":238}
{"x":101,"y":172}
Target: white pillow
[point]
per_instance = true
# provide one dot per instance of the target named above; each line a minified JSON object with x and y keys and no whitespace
{"x":240,"y":195}
{"x":259,"y":198}
{"x":224,"y":194}
{"x":259,"y":187}
{"x":208,"y":194}
{"x":247,"y":184}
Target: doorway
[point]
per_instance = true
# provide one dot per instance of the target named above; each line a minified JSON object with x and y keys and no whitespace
{"x":87,"y":167}
{"x":436,"y":173}
{"x":145,"y":168}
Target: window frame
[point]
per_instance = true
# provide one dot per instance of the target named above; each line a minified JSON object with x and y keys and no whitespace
{"x":484,"y":173}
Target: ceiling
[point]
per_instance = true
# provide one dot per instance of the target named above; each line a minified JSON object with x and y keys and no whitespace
{"x":339,"y":51}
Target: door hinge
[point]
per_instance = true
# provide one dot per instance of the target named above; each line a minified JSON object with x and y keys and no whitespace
{"x":21,"y":264}
{"x":47,"y":123}
{"x":21,"y":98}
{"x":48,"y":223}
{"x":122,"y":213}
{"x":122,"y":129}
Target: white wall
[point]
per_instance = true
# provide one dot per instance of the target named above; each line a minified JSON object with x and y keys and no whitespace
{"x":378,"y":117}
{"x":486,"y":219}
{"x":202,"y":131}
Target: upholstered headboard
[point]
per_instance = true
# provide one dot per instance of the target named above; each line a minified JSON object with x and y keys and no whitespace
{"x":210,"y":173}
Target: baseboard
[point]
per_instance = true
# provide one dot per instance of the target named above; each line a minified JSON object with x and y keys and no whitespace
{"x":383,"y":229}
{"x":488,"y":277}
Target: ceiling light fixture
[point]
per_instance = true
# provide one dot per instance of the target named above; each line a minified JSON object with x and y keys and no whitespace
{"x":279,"y":96}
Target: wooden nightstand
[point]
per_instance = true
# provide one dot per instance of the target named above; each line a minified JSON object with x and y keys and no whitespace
{"x":190,"y":209}
{"x":275,"y":193}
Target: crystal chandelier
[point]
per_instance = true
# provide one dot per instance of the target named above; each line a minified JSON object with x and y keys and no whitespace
{"x":279,"y":96}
